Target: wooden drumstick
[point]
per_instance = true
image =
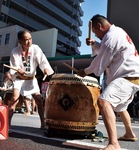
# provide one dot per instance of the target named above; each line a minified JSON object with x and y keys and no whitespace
{"x":13,"y":68}
{"x":10,"y":67}
{"x":71,"y":68}
{"x":44,"y":77}
{"x":90,"y":29}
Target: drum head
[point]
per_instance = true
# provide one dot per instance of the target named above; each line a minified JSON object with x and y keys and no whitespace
{"x":73,"y":79}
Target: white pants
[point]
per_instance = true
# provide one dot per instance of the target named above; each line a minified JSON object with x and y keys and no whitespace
{"x":120,"y":93}
{"x":27,"y":87}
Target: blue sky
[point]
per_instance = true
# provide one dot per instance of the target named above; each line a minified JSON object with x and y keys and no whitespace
{"x":90,"y":8}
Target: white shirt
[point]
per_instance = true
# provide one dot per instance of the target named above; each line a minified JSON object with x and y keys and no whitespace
{"x":35,"y":58}
{"x":116,"y":54}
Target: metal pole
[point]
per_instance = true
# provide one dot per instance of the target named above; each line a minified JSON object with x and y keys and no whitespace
{"x":72,"y":63}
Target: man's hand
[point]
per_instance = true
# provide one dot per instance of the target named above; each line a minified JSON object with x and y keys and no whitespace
{"x":81,"y":73}
{"x":90,"y":41}
{"x":46,"y":71}
{"x":2,"y":89}
{"x":21,"y":71}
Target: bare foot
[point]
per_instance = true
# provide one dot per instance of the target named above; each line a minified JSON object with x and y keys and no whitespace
{"x":33,"y":112}
{"x":27,"y":113}
{"x":112,"y":147}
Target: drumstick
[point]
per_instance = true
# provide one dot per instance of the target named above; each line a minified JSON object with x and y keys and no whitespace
{"x":90,"y":29}
{"x":13,"y":68}
{"x":71,"y":68}
{"x":44,"y":77}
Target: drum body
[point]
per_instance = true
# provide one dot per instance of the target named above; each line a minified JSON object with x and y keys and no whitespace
{"x":71,"y":103}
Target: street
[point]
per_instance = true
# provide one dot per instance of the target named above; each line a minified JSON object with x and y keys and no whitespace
{"x":27,"y":135}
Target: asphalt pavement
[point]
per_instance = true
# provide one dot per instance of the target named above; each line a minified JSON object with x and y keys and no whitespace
{"x":27,"y":135}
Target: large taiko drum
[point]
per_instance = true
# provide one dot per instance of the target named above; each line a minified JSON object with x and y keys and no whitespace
{"x":71,"y":103}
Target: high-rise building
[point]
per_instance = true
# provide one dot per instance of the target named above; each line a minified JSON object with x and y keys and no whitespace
{"x":36,"y":15}
{"x":126,"y":16}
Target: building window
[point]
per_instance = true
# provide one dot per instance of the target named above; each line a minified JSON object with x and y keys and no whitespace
{"x":6,"y":2}
{"x":7,"y":38}
{"x":0,"y":39}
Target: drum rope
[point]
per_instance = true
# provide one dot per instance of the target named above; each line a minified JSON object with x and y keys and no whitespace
{"x":75,"y":79}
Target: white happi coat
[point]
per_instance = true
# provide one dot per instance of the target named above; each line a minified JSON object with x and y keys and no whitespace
{"x":116,"y":54}
{"x":35,"y":58}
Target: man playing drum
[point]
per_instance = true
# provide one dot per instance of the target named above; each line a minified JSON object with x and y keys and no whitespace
{"x":26,"y":57}
{"x":117,"y":55}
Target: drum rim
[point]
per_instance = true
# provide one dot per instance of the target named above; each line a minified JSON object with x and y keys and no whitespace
{"x":74,"y":79}
{"x":70,"y":125}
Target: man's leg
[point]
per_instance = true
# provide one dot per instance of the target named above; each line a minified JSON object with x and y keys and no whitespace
{"x":33,"y":106}
{"x":127,"y":122}
{"x":39,"y":102}
{"x":13,"y":104}
{"x":27,"y":105}
{"x":110,"y":123}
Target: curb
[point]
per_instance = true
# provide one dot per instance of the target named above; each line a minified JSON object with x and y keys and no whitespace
{"x":133,"y":120}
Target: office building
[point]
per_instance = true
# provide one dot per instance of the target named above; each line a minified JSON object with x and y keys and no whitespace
{"x":125,"y":14}
{"x":37,"y":15}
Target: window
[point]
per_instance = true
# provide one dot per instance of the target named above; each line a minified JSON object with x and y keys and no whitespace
{"x":7,"y":38}
{"x":0,"y":39}
{"x":6,"y":2}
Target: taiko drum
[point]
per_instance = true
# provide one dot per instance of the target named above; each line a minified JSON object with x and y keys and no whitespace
{"x":71,"y":103}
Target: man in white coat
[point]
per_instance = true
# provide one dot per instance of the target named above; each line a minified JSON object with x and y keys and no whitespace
{"x":26,"y":57}
{"x":117,"y":55}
